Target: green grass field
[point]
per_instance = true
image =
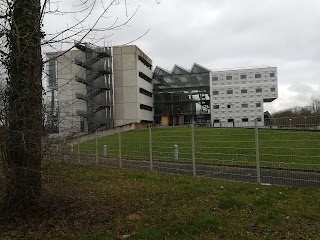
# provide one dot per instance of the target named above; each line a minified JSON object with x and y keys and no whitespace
{"x":294,"y":149}
{"x":89,"y":202}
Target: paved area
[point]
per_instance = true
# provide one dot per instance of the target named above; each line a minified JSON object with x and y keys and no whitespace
{"x":269,"y":175}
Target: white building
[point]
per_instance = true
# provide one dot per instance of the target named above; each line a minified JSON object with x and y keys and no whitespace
{"x":99,"y":88}
{"x":237,"y":96}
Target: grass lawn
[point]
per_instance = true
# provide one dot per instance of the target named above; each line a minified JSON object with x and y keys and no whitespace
{"x":278,"y":148}
{"x":89,"y":202}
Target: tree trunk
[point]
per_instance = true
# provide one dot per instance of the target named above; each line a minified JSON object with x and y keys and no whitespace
{"x":23,"y":159}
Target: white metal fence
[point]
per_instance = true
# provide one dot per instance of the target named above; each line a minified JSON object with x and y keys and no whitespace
{"x":284,"y":152}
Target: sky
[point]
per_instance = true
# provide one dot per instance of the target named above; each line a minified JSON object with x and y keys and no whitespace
{"x":217,"y":34}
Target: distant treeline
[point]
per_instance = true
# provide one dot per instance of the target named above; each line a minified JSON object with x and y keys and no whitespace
{"x":312,"y":109}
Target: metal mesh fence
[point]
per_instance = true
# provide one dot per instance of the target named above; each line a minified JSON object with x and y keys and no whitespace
{"x":282,"y":152}
{"x":290,"y":151}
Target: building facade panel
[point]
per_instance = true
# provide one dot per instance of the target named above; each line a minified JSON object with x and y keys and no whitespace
{"x":132,"y":70}
{"x":238,"y":95}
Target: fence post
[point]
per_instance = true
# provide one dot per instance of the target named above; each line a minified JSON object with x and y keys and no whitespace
{"x":193,"y":151}
{"x":78,"y":152}
{"x":257,"y":152}
{"x":120,"y":153}
{"x":97,"y":150}
{"x":64,"y":151}
{"x":105,"y":151}
{"x":176,"y":152}
{"x":150,"y":148}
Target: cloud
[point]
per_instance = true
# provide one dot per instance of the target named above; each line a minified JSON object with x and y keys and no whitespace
{"x":226,"y":34}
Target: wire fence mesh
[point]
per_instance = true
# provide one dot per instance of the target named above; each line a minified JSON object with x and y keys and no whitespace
{"x":283,"y":152}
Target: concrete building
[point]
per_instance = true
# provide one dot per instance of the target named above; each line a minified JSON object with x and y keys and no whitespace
{"x":238,"y":96}
{"x":95,"y":88}
{"x":133,"y":89}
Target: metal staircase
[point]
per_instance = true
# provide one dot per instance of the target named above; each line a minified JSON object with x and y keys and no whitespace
{"x":99,"y":84}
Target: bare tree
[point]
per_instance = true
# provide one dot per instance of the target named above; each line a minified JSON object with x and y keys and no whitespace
{"x":314,"y":105}
{"x":2,"y":102}
{"x":23,"y":62}
{"x":311,"y":109}
{"x":21,"y":42}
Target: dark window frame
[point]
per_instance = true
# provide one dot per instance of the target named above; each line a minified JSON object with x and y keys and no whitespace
{"x":145,"y":77}
{"x":82,"y":126}
{"x":145,"y":92}
{"x":145,"y":62}
{"x":244,"y":91}
{"x":243,"y":76}
{"x":146,"y":107}
{"x":244,"y":105}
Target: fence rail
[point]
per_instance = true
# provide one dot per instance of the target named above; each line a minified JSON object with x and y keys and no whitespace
{"x":259,"y":154}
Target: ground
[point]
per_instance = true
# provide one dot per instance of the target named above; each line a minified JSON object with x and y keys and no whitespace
{"x":92,"y":202}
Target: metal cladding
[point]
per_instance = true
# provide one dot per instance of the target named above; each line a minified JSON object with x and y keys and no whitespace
{"x":98,"y":81}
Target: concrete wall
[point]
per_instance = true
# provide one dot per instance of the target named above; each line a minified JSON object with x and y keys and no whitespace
{"x":67,"y":89}
{"x":113,"y":131}
{"x":127,"y":98}
{"x":236,"y":99}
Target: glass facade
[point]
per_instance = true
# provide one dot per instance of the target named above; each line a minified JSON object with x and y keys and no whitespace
{"x":181,"y":96}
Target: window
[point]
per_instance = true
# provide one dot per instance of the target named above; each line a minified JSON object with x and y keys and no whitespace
{"x":229,"y":77}
{"x":230,"y":120}
{"x":228,"y":106}
{"x":215,"y":78}
{"x":216,"y":106}
{"x":145,"y":92}
{"x":81,"y":126}
{"x":215,"y":93}
{"x":145,"y":107}
{"x":259,"y":119}
{"x":244,"y":105}
{"x":272,"y":74}
{"x":258,"y":104}
{"x":245,"y":120}
{"x":244,"y":90}
{"x":216,"y":120}
{"x":229,"y":91}
{"x":272,"y":89}
{"x":257,"y":75}
{"x":145,"y":62}
{"x":243,"y":76}
{"x":259,"y":90}
{"x":145,"y":77}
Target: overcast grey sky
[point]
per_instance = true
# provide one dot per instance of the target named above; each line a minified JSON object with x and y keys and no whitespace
{"x":222,"y":34}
